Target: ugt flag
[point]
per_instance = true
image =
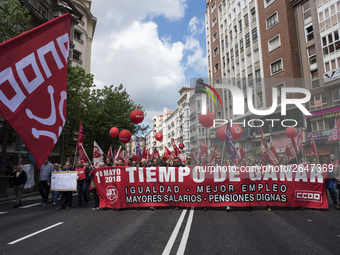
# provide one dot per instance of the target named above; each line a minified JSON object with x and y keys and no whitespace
{"x":33,"y":70}
{"x":97,"y":155}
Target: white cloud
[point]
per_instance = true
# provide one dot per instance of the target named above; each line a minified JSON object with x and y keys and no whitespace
{"x":196,"y":26}
{"x":128,"y":50}
{"x":149,"y":69}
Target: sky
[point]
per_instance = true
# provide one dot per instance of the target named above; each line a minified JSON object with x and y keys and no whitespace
{"x":152,"y":47}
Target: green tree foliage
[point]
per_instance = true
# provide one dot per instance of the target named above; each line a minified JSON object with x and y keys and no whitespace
{"x":13,"y":19}
{"x":98,"y":109}
{"x":108,"y":107}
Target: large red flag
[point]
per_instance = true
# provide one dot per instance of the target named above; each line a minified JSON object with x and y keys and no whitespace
{"x":203,"y":148}
{"x":335,"y":134}
{"x":33,"y":86}
{"x":167,"y":153}
{"x":176,"y":150}
{"x":194,"y":155}
{"x":272,"y":155}
{"x":313,"y":148}
{"x":291,"y":148}
{"x":110,"y":153}
{"x":80,"y":136}
{"x":82,"y":154}
{"x":119,"y":154}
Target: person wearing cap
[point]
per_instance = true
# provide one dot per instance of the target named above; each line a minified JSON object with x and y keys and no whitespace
{"x":83,"y":172}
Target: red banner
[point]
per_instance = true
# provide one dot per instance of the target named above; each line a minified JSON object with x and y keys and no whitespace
{"x":33,"y":84}
{"x":214,"y":186}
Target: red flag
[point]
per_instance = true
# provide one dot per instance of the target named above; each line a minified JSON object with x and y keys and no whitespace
{"x":203,"y":148}
{"x":145,"y":154}
{"x":214,"y":154}
{"x":33,"y":84}
{"x":80,"y":136}
{"x":167,"y":153}
{"x":291,"y":148}
{"x":335,"y":134}
{"x":272,"y":155}
{"x":119,"y":154}
{"x":299,"y":139}
{"x":242,"y":151}
{"x":110,"y":153}
{"x":97,"y":155}
{"x":82,"y":154}
{"x":176,"y":150}
{"x":313,"y":148}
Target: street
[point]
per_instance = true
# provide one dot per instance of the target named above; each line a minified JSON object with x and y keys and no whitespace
{"x":37,"y":229}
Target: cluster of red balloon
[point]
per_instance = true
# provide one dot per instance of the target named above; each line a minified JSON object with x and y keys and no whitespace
{"x":136,"y":116}
{"x":207,"y":120}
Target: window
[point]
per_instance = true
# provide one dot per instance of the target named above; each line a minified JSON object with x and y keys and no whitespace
{"x":213,"y":7}
{"x":268,"y":2}
{"x":247,"y":40}
{"x":222,"y":43}
{"x":216,"y":51}
{"x":258,"y":76}
{"x":231,"y":35}
{"x":241,"y":45}
{"x":254,"y":33}
{"x":235,"y":28}
{"x":306,"y":12}
{"x":253,"y":13}
{"x":236,"y":49}
{"x":250,"y":79}
{"x":77,"y":56}
{"x":330,"y":43}
{"x":317,"y":102}
{"x":226,"y":41}
{"x":279,"y":87}
{"x":215,"y":36}
{"x":272,"y":21}
{"x":276,"y":67}
{"x":309,"y":33}
{"x":240,"y":24}
{"x":43,"y":11}
{"x":214,"y":22}
{"x":311,"y":53}
{"x":314,"y":75}
{"x":217,"y":67}
{"x":259,"y":99}
{"x":231,"y":53}
{"x":274,"y":43}
{"x":246,"y":21}
{"x":336,"y":96}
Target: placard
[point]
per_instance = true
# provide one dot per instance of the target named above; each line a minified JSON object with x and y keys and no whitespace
{"x":64,"y":181}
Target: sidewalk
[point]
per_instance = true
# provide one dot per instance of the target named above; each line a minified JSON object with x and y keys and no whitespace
{"x":11,"y":196}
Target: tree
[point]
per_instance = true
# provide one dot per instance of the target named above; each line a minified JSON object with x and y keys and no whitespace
{"x":78,"y":93}
{"x":108,"y":107}
{"x":13,"y":19}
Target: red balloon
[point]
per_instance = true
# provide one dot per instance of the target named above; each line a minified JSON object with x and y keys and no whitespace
{"x":207,"y":120}
{"x":136,"y":158}
{"x":221,"y":132}
{"x":159,"y":136}
{"x":291,"y":132}
{"x":181,"y":146}
{"x":236,"y":131}
{"x":125,"y":136}
{"x":114,"y":132}
{"x":136,"y":116}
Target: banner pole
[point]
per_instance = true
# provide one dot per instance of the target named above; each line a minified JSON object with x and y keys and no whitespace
{"x":86,"y":155}
{"x":75,"y":154}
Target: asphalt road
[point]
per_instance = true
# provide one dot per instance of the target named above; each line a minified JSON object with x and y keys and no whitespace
{"x":37,"y":229}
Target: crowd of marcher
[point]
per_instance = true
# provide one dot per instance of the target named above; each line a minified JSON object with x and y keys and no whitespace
{"x":86,"y":185}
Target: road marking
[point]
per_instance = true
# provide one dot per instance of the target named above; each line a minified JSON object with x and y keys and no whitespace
{"x":35,"y":233}
{"x":174,"y":234}
{"x":186,"y":232}
{"x":3,"y":212}
{"x":28,"y":206}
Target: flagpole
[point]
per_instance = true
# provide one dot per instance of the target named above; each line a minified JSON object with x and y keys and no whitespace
{"x":75,"y":154}
{"x":86,"y":155}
